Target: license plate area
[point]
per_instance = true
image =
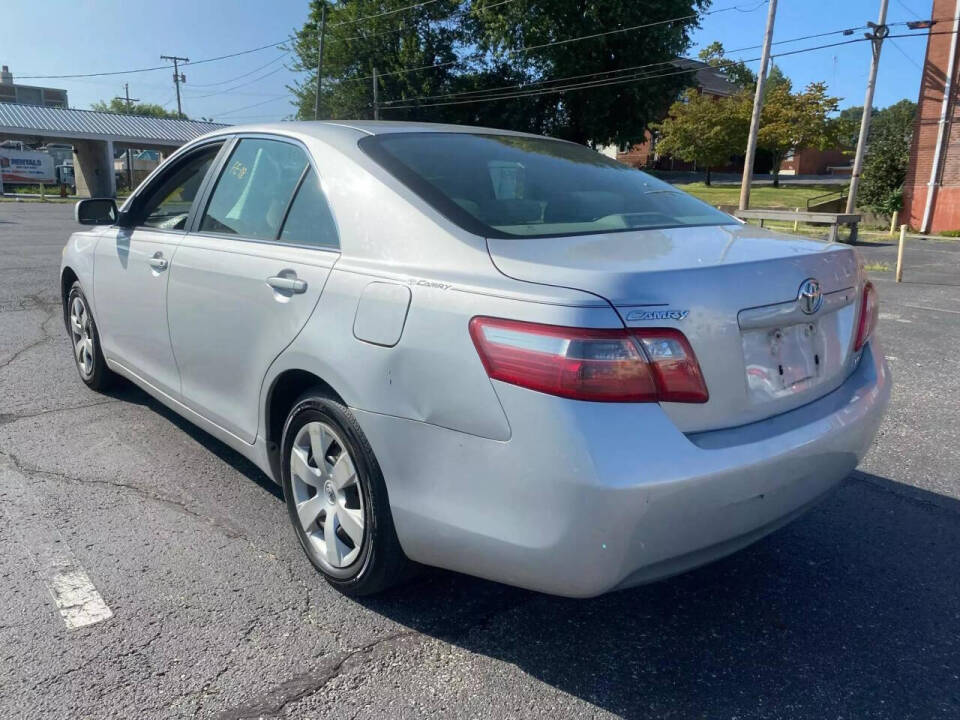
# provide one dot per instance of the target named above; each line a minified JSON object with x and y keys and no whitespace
{"x":783,"y":361}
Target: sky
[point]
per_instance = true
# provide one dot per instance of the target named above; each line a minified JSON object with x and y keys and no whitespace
{"x":88,"y":36}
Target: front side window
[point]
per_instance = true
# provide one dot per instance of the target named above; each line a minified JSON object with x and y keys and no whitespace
{"x":254,"y":189}
{"x":513,"y":186}
{"x":168,"y":204}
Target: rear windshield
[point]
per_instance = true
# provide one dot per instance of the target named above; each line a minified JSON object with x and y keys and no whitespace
{"x":509,"y":186}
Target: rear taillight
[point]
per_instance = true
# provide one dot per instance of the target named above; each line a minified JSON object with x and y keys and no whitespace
{"x":636,"y":365}
{"x":869,"y":311}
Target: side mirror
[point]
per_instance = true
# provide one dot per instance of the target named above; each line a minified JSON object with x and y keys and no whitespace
{"x":96,"y":211}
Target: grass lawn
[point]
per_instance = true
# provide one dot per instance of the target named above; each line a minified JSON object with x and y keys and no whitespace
{"x":786,"y":197}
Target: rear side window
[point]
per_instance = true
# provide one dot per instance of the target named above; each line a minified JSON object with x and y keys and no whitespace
{"x":516,"y":186}
{"x":254,"y":189}
{"x":309,"y":221}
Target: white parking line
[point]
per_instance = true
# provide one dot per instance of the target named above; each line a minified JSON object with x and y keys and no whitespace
{"x":76,"y":597}
{"x":935,"y":309}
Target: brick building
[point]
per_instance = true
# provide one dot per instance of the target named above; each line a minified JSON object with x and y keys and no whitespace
{"x":11,"y":92}
{"x":708,"y":81}
{"x":930,"y":169}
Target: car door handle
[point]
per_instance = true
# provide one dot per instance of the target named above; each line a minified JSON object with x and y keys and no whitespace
{"x":290,"y":284}
{"x":158,"y":261}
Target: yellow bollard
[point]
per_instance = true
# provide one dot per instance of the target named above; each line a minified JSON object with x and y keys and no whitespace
{"x":796,"y":223}
{"x":903,"y":237}
{"x":893,"y":221}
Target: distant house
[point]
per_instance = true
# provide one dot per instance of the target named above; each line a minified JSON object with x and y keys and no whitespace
{"x":931,"y":190}
{"x":708,"y":81}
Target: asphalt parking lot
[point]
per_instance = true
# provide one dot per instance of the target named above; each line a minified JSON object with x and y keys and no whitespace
{"x":853,"y":611}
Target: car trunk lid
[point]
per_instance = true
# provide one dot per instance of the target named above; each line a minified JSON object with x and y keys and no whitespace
{"x":732,"y":290}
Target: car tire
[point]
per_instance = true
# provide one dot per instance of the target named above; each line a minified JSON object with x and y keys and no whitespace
{"x":338,"y":503}
{"x":85,"y":341}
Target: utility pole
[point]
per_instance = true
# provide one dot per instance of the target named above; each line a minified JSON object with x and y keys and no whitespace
{"x":178,"y":77}
{"x":323,"y":27}
{"x":757,"y":107}
{"x":878,"y":31}
{"x":129,"y":101}
{"x":376,"y":101}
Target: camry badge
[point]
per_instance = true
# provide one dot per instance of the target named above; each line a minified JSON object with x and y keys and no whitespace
{"x":810,"y":296}
{"x":657,"y":315}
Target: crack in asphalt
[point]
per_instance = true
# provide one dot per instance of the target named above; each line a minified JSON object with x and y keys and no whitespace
{"x":85,"y":665}
{"x":7,"y":418}
{"x":273,"y":702}
{"x":52,"y":310}
{"x":181,"y":506}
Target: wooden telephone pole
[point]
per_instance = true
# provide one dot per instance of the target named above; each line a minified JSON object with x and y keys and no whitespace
{"x":129,"y":101}
{"x":178,"y":78}
{"x":757,"y":107}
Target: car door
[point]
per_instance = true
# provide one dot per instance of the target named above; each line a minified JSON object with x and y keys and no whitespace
{"x":131,"y":270}
{"x":248,"y":276}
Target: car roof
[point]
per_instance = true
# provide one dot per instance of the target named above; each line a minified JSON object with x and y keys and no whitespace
{"x":330,"y":129}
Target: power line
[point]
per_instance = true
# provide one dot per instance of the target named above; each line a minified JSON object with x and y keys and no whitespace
{"x":903,"y":52}
{"x":383,"y":14}
{"x":246,"y":74}
{"x":845,"y":31}
{"x":615,"y":81}
{"x":404,"y":26}
{"x":520,"y":51}
{"x":356,"y":20}
{"x":247,"y":107}
{"x":237,"y":87}
{"x":156,"y":67}
{"x":634,"y":78}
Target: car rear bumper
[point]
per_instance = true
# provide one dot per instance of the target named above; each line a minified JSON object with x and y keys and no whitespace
{"x":589,"y":497}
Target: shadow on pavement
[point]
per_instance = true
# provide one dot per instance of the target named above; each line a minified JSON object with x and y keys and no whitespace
{"x":128,"y":392}
{"x":852,"y":611}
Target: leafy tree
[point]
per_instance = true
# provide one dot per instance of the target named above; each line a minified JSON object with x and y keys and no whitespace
{"x":600,"y":114}
{"x":487,"y":46}
{"x":888,"y":155}
{"x":703,"y":129}
{"x":736,"y":71}
{"x":848,"y":126}
{"x":792,"y":121}
{"x":391,"y":43}
{"x":118,"y":105}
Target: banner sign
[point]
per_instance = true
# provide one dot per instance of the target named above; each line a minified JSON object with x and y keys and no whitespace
{"x":26,"y":166}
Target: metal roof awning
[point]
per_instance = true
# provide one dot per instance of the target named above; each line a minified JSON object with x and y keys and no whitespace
{"x":94,"y":125}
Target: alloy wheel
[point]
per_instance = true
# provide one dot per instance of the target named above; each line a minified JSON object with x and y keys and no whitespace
{"x":327,"y":495}
{"x":82,"y":335}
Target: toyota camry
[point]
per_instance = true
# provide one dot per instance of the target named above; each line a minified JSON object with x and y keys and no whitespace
{"x":487,"y":351}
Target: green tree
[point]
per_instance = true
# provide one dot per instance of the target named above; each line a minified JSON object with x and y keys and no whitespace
{"x":599,"y":114}
{"x":703,"y":129}
{"x":792,"y":121}
{"x":390,"y":43}
{"x":887,"y":158}
{"x":489,"y":46}
{"x":118,"y":105}
{"x":736,"y":71}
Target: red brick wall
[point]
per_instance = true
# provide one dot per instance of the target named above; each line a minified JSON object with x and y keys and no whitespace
{"x":946,"y":206}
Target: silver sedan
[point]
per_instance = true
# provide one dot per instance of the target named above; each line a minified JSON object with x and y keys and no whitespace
{"x":481,"y":350}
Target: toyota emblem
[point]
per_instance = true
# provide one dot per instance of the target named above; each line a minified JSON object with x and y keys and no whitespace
{"x":810,"y":296}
